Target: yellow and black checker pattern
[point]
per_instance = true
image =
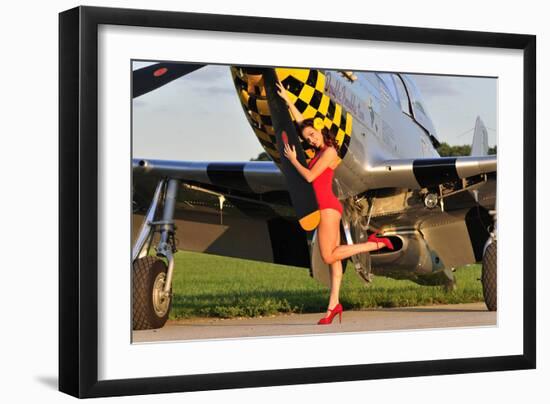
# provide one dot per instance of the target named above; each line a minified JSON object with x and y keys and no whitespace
{"x":306,"y":89}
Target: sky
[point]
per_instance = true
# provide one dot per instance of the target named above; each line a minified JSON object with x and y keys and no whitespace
{"x":198,"y":117}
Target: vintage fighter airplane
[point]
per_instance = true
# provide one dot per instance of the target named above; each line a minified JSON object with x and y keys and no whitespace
{"x":439,"y":212}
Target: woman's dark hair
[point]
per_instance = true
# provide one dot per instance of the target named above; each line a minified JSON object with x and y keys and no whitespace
{"x":329,"y":137}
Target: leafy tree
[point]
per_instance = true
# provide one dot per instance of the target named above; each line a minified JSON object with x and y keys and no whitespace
{"x":446,"y":150}
{"x":263,"y":156}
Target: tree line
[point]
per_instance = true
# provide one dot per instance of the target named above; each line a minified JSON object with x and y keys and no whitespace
{"x":446,"y":150}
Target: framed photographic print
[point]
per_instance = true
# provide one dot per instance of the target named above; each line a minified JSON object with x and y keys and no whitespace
{"x":240,"y":195}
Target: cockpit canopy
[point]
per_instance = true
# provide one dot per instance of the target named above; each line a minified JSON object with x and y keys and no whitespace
{"x":419,"y":109}
{"x":407,"y":96}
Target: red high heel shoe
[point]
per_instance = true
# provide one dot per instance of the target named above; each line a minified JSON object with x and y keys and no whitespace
{"x":384,"y":240}
{"x":338,"y":309}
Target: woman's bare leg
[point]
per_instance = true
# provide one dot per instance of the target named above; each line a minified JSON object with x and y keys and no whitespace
{"x":331,"y":251}
{"x":336,"y":272}
{"x":329,"y":238}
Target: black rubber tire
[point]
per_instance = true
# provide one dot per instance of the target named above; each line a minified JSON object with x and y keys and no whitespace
{"x":145,"y":271}
{"x":489,"y":276}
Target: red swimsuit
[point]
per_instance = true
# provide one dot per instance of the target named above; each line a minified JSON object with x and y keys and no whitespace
{"x":322,"y":185}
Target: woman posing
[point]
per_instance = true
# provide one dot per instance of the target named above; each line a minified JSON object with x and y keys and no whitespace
{"x":320,"y":173}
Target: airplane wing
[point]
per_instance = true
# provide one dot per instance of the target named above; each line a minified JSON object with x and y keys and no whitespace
{"x":234,"y":209}
{"x":244,"y":209}
{"x":156,"y":75}
{"x":426,"y":172}
{"x":251,"y":176}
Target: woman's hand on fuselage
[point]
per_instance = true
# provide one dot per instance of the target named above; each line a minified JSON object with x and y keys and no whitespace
{"x":326,"y":159}
{"x":282,"y":91}
{"x":284,"y":95}
{"x":290,"y":153}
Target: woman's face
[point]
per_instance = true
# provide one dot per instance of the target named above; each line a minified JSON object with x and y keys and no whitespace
{"x":313,"y":137}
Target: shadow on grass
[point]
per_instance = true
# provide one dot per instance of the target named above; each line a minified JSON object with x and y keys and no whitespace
{"x":233,"y":324}
{"x":264,"y":303}
{"x":249,"y":304}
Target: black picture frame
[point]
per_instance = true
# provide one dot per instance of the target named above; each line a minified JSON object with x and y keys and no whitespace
{"x":78,"y":206}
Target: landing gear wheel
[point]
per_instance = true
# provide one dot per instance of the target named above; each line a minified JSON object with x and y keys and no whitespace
{"x":489,"y":276}
{"x":150,"y":306}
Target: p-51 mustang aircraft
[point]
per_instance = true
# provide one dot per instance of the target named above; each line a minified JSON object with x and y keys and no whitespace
{"x":439,"y":212}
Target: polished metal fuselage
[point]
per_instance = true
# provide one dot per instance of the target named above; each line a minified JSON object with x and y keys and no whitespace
{"x":381,"y":131}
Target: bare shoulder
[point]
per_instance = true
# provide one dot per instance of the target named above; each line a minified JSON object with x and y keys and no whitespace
{"x":331,"y":151}
{"x":332,"y":156}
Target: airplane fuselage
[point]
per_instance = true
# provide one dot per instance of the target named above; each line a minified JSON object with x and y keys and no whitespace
{"x":378,"y":117}
{"x":381,"y":117}
{"x":382,"y":129}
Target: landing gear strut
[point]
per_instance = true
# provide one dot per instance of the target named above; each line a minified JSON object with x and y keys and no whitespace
{"x":152,"y":278}
{"x":355,"y":231}
{"x":489,"y":268}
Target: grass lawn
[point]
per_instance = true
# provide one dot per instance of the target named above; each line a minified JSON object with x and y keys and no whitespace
{"x":206,"y":285}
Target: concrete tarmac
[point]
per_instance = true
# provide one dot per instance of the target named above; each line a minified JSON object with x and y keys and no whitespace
{"x":454,"y":315}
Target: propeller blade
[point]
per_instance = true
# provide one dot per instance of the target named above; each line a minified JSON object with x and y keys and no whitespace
{"x":301,"y":192}
{"x":152,"y":77}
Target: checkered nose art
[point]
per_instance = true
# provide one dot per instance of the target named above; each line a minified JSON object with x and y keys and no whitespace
{"x":306,"y":89}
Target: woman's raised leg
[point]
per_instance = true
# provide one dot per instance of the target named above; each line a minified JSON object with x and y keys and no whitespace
{"x":336,"y":272}
{"x":329,"y":229}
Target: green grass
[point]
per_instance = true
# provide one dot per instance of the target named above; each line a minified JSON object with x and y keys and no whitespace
{"x":206,"y":285}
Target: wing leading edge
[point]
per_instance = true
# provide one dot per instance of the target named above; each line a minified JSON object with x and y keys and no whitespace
{"x":421,"y":173}
{"x":252,"y":176}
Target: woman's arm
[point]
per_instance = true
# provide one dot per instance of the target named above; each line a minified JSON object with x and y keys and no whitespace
{"x":295,"y":113}
{"x":309,"y":175}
